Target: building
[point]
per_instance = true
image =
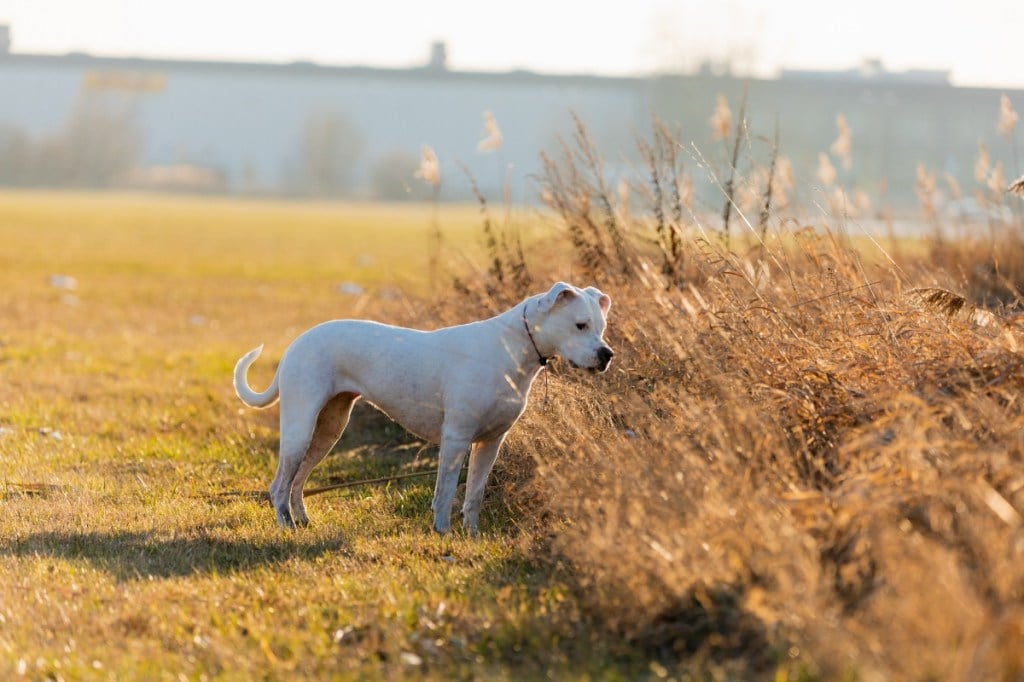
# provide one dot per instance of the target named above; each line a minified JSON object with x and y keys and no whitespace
{"x":306,"y":128}
{"x":261,"y":126}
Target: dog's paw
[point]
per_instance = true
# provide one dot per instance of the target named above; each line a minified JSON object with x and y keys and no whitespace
{"x":284,"y":518}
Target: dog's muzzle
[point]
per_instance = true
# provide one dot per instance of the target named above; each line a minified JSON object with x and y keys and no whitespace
{"x":604,"y":358}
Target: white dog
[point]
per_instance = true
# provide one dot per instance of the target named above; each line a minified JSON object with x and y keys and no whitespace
{"x":463,"y":387}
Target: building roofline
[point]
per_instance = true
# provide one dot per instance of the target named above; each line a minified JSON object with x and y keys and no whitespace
{"x":519,"y":76}
{"x":309,"y":68}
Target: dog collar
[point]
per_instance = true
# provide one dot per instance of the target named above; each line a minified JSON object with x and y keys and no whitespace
{"x":543,"y":360}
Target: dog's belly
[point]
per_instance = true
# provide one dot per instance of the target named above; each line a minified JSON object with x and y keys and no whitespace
{"x":426,"y":421}
{"x":423,"y":421}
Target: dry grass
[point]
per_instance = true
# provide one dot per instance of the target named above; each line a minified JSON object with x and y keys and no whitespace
{"x":763,"y":478}
{"x":808,"y":459}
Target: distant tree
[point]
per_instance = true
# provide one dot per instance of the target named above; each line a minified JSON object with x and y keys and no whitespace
{"x":100,"y":142}
{"x":329,"y":148}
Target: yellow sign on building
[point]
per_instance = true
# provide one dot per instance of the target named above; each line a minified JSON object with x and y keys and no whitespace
{"x":125,"y":81}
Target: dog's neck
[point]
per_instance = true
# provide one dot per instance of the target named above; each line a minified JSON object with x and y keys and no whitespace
{"x":528,"y":357}
{"x":526,"y":325}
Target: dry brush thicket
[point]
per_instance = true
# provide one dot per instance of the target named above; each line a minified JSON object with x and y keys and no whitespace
{"x":807,"y":454}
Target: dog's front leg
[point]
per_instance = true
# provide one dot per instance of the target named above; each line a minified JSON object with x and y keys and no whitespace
{"x":453,"y":452}
{"x":481,"y":459}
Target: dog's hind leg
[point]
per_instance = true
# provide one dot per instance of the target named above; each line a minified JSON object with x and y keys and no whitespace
{"x":329,"y":426}
{"x":298,"y":422}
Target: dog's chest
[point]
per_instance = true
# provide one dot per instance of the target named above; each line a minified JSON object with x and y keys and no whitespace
{"x":497,"y":416}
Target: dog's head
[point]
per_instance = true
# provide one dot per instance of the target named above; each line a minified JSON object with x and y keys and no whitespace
{"x":571,"y":321}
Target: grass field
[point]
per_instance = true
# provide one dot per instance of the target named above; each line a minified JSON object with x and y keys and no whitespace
{"x":801,"y":466}
{"x":116,"y":399}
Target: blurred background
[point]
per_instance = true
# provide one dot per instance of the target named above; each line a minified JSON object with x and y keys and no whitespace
{"x":322,"y":99}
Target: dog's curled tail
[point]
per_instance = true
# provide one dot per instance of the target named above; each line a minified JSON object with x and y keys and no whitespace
{"x":246,"y":394}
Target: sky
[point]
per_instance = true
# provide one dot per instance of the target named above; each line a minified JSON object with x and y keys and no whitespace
{"x":978,"y":41}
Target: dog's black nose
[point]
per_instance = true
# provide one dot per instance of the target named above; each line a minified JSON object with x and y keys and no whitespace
{"x":604,"y":356}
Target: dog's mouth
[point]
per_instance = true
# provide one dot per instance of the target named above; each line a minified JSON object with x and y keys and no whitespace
{"x":591,"y":370}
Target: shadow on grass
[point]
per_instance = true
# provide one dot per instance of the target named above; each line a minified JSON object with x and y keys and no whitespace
{"x":130,"y":555}
{"x":708,"y":623}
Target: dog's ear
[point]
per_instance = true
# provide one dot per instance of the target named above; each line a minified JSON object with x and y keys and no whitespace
{"x":558,"y":294}
{"x":603,"y":299}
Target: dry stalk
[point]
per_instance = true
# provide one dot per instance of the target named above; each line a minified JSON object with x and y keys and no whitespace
{"x":741,"y":125}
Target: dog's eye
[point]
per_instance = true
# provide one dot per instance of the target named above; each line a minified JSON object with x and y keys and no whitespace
{"x":581,"y":326}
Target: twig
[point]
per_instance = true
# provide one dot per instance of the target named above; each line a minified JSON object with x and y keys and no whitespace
{"x":727,"y":209}
{"x":32,"y":489}
{"x":836,"y":293}
{"x":309,"y":492}
{"x":766,"y":209}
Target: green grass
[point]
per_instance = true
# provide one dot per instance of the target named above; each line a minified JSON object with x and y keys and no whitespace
{"x":117,"y":397}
